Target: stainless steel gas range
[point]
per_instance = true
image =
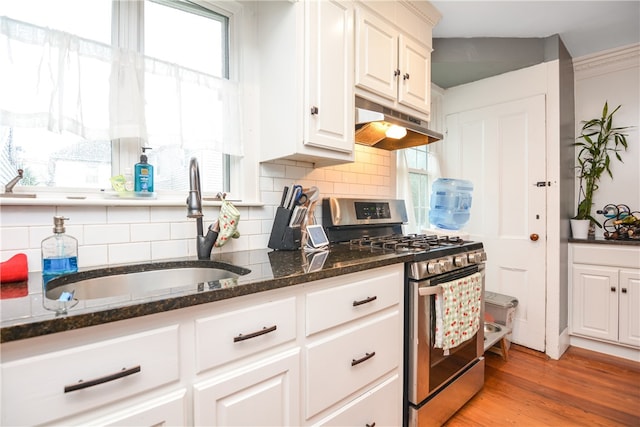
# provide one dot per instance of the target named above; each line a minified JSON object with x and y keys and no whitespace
{"x":440,"y":376}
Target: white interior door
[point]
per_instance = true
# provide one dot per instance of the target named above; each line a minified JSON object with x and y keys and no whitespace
{"x":501,"y":149}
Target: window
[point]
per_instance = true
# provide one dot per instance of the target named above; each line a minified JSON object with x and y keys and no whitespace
{"x":421,"y":169}
{"x":78,"y":123}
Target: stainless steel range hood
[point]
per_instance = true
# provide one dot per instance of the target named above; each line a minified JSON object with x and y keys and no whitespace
{"x":374,"y":120}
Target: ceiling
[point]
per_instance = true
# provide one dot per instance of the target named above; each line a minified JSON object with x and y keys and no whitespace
{"x":585,"y":27}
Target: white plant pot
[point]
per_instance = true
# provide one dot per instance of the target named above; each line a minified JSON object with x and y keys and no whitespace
{"x":580,"y":228}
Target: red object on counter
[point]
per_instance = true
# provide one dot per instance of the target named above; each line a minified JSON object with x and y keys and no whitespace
{"x":15,"y":269}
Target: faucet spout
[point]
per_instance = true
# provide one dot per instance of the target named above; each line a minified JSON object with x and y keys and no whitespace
{"x":204,"y":244}
{"x":9,"y":187}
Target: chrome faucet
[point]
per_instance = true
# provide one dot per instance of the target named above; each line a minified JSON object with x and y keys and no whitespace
{"x":9,"y":187}
{"x":204,"y":244}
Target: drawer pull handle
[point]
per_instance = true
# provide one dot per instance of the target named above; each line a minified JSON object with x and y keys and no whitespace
{"x":107,"y":378}
{"x":366,"y":357}
{"x":370,"y":425}
{"x":364,"y":301}
{"x":264,"y":330}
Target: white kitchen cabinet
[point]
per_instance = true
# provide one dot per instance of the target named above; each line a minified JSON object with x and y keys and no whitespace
{"x":306,"y":81}
{"x":605,"y":293}
{"x":280,"y":357}
{"x":51,"y":386}
{"x":262,"y":394}
{"x":393,"y":55}
{"x":629,"y":307}
{"x":353,"y":350}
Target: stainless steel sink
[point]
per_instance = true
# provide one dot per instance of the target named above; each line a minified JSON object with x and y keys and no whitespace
{"x":143,"y":279}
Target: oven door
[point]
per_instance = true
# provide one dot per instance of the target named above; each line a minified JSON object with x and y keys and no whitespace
{"x":429,"y":368}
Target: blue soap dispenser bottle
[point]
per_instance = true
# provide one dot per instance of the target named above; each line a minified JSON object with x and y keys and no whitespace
{"x":143,"y":174}
{"x":59,"y":252}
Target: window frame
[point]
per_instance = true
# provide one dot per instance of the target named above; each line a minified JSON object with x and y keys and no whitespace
{"x":241,"y":172}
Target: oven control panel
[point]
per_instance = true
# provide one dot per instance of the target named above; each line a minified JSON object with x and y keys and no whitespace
{"x":433,"y":267}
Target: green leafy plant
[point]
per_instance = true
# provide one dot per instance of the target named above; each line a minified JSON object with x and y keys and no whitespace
{"x":598,"y":139}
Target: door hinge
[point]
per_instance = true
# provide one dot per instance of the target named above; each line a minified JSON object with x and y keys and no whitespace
{"x":543,"y":184}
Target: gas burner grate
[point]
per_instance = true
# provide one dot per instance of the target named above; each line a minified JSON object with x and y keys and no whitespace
{"x":408,"y":242}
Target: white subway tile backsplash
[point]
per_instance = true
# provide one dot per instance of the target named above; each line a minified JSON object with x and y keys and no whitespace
{"x":266,"y":184}
{"x":127,"y":214}
{"x":261,"y":212}
{"x":115,"y":235}
{"x":272,"y":169}
{"x":183,"y":230}
{"x":82,"y":214}
{"x":169,"y":213}
{"x":150,"y":231}
{"x":249,"y":226}
{"x":14,"y":237}
{"x":106,"y":234}
{"x":169,"y":249}
{"x":93,"y":256}
{"x":259,"y":241}
{"x":129,"y":252}
{"x":297,"y":172}
{"x":22,"y":216}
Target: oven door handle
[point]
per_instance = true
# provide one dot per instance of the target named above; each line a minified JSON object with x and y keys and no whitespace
{"x":426,"y":291}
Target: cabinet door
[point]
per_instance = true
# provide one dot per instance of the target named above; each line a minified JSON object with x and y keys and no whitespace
{"x":376,"y":55}
{"x":630,"y":307}
{"x":415,"y":74}
{"x":262,"y":394}
{"x":329,"y":115}
{"x":595,"y":302}
{"x":378,"y":406}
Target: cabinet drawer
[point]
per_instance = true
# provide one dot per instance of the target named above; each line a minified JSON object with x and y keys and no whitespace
{"x":345,"y":362}
{"x":40,"y":389}
{"x":609,"y":255}
{"x":379,"y":406}
{"x":240,"y":333}
{"x":341,"y":304}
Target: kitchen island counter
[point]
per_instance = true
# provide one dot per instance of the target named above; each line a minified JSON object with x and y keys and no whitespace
{"x":25,"y":317}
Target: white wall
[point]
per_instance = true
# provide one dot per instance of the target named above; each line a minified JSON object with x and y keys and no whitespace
{"x":613,"y":76}
{"x":117,"y":234}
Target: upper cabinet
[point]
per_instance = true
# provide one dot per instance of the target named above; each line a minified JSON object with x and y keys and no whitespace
{"x":393,"y":54}
{"x":306,"y":81}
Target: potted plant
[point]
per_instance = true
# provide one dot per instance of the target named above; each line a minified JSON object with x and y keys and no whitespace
{"x":597,"y":141}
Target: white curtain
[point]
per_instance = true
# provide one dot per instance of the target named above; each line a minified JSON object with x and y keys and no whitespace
{"x":61,"y":82}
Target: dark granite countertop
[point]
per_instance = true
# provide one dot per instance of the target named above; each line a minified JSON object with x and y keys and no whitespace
{"x":23,"y":315}
{"x":603,"y":241}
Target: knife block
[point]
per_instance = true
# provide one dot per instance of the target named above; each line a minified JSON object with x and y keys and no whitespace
{"x":283,"y":237}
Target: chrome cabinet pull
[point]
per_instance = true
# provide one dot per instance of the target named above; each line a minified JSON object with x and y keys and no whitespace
{"x":263,"y":331}
{"x":366,"y":357}
{"x":364,"y":301}
{"x":107,"y":378}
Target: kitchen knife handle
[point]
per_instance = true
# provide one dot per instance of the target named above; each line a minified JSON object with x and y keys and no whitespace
{"x":285,"y":192}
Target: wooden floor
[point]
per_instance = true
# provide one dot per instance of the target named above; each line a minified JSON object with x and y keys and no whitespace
{"x":583,"y":388}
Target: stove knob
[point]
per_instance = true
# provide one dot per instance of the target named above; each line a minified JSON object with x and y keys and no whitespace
{"x":445,"y":264}
{"x":475,"y":258}
{"x":434,"y":268}
{"x":460,"y":261}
